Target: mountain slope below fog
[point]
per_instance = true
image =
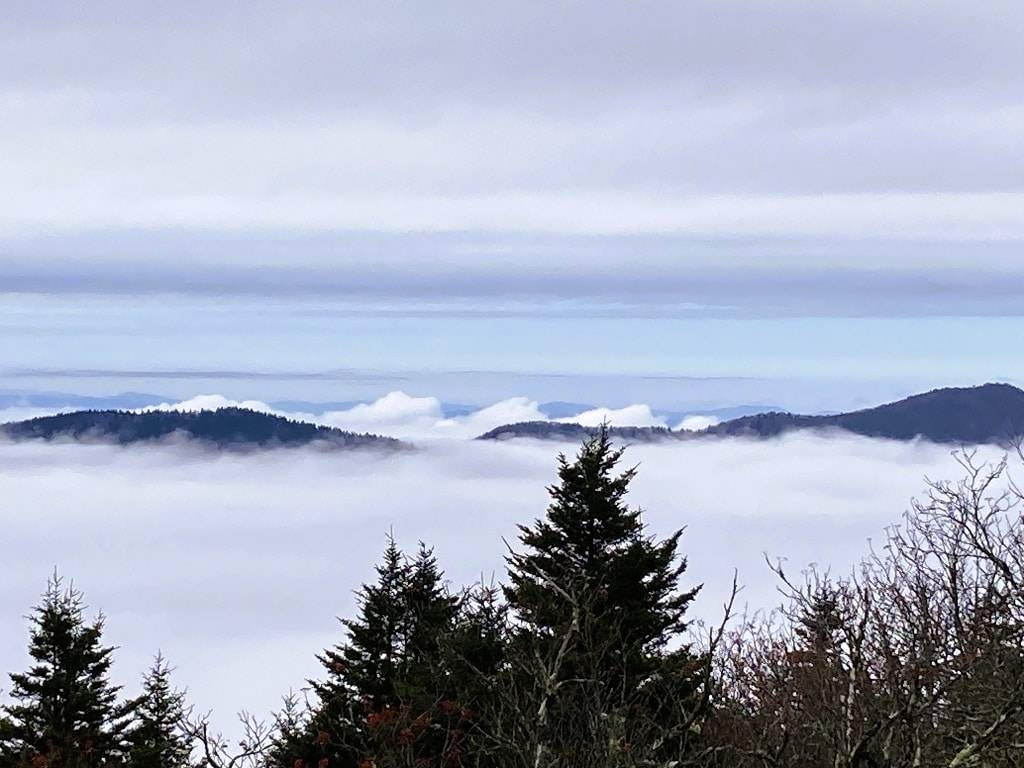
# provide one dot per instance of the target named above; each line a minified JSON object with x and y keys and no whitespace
{"x":991,"y":413}
{"x":227,"y":428}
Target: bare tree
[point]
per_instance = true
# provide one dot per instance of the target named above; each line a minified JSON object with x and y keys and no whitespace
{"x":216,"y":751}
{"x":914,"y":659}
{"x":552,"y":704}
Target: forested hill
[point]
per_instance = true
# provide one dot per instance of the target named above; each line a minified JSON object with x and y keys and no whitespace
{"x":230,"y":428}
{"x":991,"y":413}
{"x":556,"y":430}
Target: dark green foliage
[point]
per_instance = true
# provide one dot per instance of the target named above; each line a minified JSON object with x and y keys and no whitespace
{"x":598,"y":601}
{"x":386,"y":685}
{"x":593,"y":543}
{"x":156,"y":739}
{"x":223,"y":428}
{"x":65,"y":712}
{"x":293,"y":740}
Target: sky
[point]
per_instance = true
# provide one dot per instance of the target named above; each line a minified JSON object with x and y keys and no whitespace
{"x":783,"y":192}
{"x":855,"y":158}
{"x":816,"y":205}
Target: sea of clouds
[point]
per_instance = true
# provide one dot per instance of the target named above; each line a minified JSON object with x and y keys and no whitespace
{"x":398,"y":414}
{"x":410,"y":417}
{"x":236,"y":566}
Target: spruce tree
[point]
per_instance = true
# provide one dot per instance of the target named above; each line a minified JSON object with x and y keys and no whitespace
{"x":361,"y":675}
{"x":366,"y":666}
{"x":390,"y":670}
{"x":592,"y":542}
{"x":428,"y":619}
{"x":156,"y":739}
{"x":293,"y":742}
{"x":65,"y":711}
{"x":592,"y":575}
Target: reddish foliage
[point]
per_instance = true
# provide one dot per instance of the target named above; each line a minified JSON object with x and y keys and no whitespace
{"x":449,"y":706}
{"x":405,"y":737}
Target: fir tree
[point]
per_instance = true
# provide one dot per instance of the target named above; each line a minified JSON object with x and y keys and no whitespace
{"x":292,"y":741}
{"x":478,"y":643}
{"x":155,"y":739}
{"x":428,"y":618}
{"x":592,"y":542}
{"x":600,"y":600}
{"x":361,"y":675}
{"x":367,"y":665}
{"x":66,"y":712}
{"x":388,"y":673}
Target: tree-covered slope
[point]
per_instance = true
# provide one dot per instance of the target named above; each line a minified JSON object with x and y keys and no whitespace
{"x":224,"y":428}
{"x":990,"y":413}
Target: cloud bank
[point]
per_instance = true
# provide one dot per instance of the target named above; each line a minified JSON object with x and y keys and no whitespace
{"x":521,"y":148}
{"x":398,"y":414}
{"x":232,"y":564}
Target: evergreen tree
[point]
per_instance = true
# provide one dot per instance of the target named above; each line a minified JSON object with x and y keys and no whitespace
{"x":383,"y":681}
{"x":366,"y":666}
{"x":65,"y":712}
{"x":478,"y":643}
{"x":591,"y":575}
{"x":428,"y":619}
{"x":292,"y":742}
{"x":592,"y":542}
{"x":155,"y":739}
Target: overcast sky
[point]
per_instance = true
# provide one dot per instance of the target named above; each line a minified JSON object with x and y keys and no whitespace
{"x":771,"y":152}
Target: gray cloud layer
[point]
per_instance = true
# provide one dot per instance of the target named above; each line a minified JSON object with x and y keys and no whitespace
{"x":850,"y":135}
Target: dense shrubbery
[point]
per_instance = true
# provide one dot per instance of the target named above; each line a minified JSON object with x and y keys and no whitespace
{"x":585,"y":658}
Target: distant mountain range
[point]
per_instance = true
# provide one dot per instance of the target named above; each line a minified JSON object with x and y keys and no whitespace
{"x":991,"y":413}
{"x":67,"y":402}
{"x":226,"y":428}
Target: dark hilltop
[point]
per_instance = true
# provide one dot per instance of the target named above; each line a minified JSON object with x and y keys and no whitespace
{"x":990,"y":413}
{"x":225,"y":428}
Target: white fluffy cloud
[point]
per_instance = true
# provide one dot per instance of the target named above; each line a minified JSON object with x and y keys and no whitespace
{"x":637,"y":415}
{"x":696,"y":423}
{"x":210,"y":403}
{"x":19,"y":413}
{"x":510,"y":411}
{"x":401,"y":415}
{"x":398,"y":414}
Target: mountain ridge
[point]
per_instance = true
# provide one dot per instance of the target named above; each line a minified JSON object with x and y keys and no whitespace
{"x":224,"y":428}
{"x":987,"y":413}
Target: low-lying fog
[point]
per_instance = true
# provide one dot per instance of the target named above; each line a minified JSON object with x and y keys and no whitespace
{"x":236,"y":566}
